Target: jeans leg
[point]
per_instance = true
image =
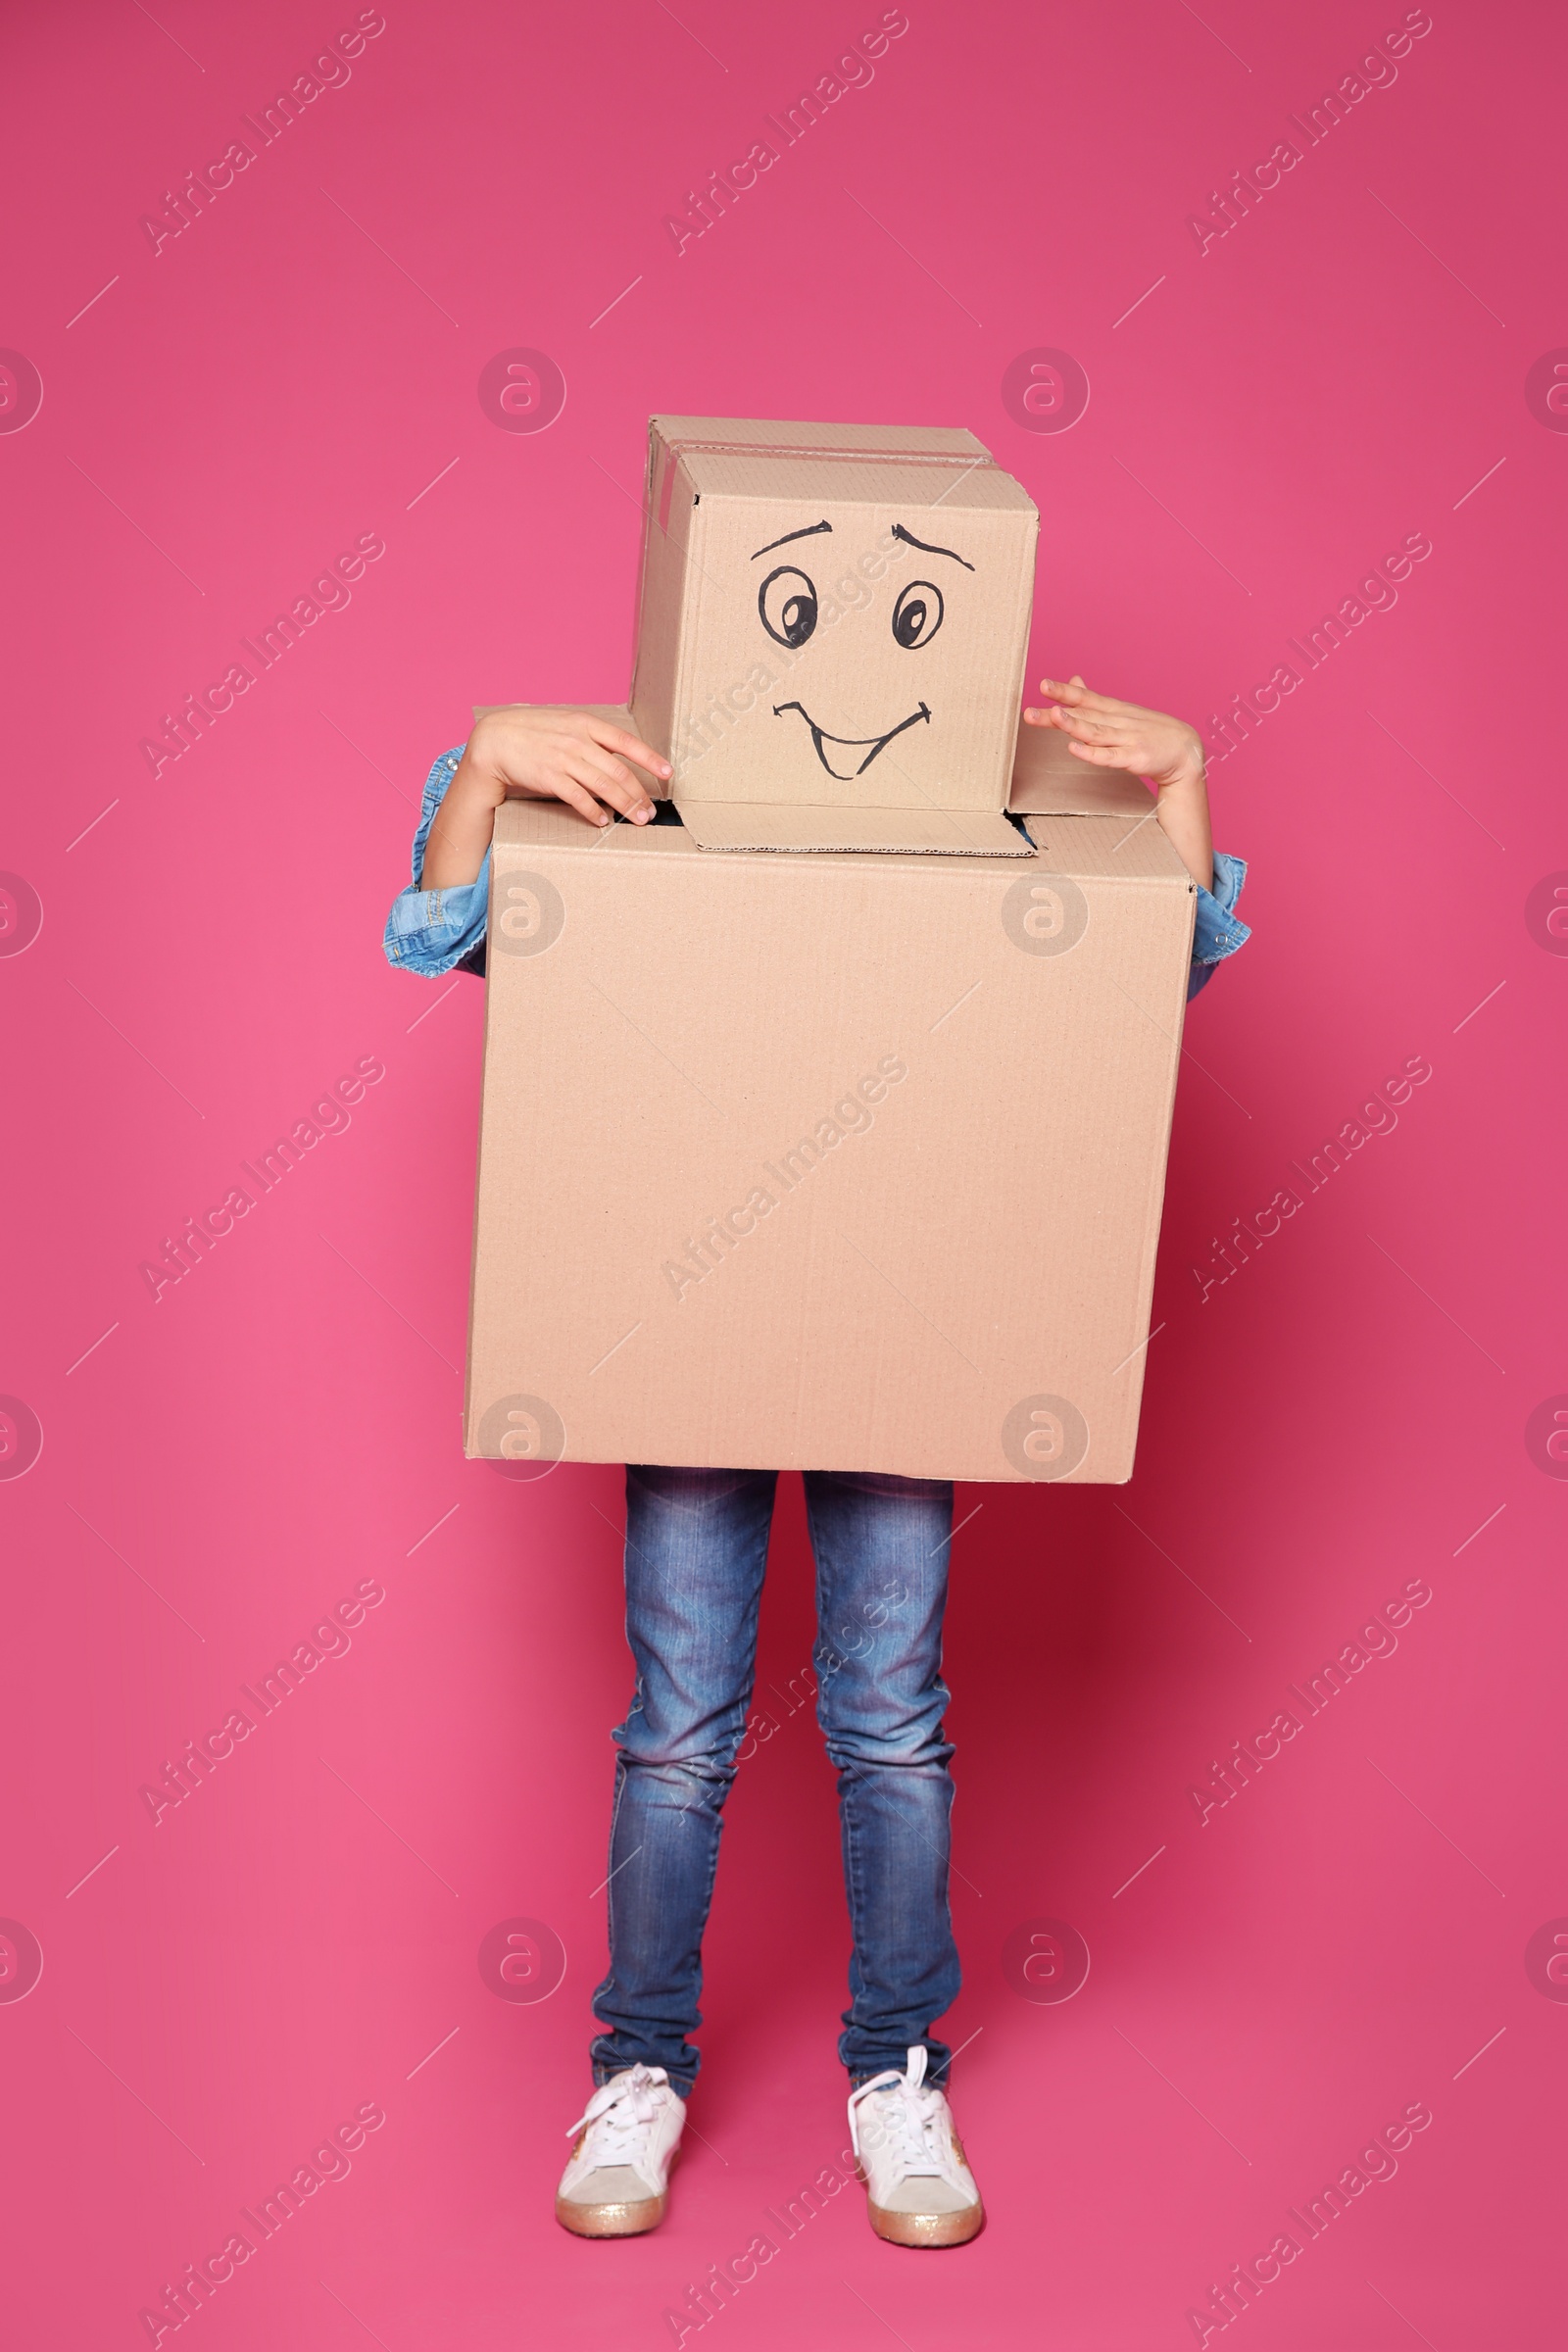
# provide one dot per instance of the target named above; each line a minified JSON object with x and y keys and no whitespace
{"x":696,"y":1551}
{"x":881,"y":1547}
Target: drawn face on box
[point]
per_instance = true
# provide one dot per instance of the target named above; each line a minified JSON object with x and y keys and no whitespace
{"x":853,"y":616}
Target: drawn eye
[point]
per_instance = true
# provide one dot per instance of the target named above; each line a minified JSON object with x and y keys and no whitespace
{"x":787,"y":603}
{"x":918,"y":615}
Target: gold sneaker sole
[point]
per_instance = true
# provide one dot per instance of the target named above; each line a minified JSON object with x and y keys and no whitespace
{"x":927,"y":2229}
{"x":629,"y":2219}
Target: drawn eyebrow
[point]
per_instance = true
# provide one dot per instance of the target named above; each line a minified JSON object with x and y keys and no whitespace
{"x":805,"y":533}
{"x":910,"y":540}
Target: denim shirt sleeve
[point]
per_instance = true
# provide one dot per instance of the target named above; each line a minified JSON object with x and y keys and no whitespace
{"x":429,"y":931}
{"x":1217,"y":933}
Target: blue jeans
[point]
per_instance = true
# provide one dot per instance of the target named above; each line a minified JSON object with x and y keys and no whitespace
{"x":696,"y":1551}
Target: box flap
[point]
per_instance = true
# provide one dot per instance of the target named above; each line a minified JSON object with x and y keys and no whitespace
{"x":746,"y":457}
{"x":1108,"y":848}
{"x":772,"y":436}
{"x":900,"y":832}
{"x":1047,"y":775}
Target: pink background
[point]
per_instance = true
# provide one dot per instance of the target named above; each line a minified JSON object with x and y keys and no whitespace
{"x":221,"y":420}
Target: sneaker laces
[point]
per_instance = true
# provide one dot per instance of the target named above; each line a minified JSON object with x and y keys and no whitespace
{"x":620,"y":2114}
{"x":908,"y":2117}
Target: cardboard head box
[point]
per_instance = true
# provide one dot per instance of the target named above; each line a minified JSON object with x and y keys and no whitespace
{"x":822,"y":1131}
{"x":832,"y":629}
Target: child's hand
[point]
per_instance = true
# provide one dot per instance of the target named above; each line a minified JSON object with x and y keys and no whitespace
{"x":566,"y":756}
{"x":1107,"y":734}
{"x":1115,"y":734}
{"x":535,"y":755}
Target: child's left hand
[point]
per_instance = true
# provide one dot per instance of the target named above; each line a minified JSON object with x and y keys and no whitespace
{"x":1112,"y":734}
{"x":1107,"y":734}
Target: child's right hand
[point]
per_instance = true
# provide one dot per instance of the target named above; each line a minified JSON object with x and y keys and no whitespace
{"x":535,"y":755}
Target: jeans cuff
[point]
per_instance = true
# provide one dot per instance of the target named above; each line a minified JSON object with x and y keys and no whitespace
{"x":602,"y":2073}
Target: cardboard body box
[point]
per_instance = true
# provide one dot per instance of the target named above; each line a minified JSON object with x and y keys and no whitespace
{"x":826,"y":1128}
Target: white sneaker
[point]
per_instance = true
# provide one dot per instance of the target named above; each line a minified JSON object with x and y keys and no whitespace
{"x":628,"y":2137}
{"x":921,"y":2190}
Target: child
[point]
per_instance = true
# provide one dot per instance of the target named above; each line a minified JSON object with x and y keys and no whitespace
{"x":696,"y":1550}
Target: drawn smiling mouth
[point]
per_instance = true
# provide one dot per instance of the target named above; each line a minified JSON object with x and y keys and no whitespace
{"x":851,"y":743}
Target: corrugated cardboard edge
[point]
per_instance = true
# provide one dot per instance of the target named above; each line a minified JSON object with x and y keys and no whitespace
{"x":1028,"y":556}
{"x":861,"y":849}
{"x":470,"y":1432}
{"x":690,"y":625}
{"x":941,"y":444}
{"x":788,"y":827}
{"x":1154,"y":1217}
{"x":642,"y":574}
{"x":1155,"y":1199}
{"x":656,"y":723}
